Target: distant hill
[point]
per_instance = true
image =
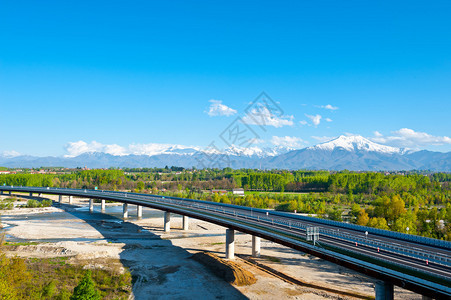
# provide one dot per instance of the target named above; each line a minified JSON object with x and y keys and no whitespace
{"x":344,"y":152}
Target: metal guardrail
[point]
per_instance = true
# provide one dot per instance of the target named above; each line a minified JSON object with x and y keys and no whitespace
{"x":416,"y":253}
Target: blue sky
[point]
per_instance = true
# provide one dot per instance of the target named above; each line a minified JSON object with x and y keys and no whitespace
{"x":139,"y":72}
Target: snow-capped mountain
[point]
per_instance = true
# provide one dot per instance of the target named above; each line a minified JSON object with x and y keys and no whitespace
{"x":256,"y":151}
{"x":356,"y":143}
{"x":344,"y":152}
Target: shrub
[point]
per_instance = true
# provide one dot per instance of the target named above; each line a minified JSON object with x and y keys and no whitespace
{"x":46,"y":203}
{"x":32,"y":203}
{"x":85,"y":289}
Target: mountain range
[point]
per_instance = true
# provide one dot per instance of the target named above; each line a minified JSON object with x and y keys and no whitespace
{"x":345,"y":152}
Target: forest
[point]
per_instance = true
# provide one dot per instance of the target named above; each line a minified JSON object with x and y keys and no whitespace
{"x":410,"y":202}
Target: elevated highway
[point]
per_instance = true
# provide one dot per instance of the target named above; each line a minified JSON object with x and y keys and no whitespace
{"x":418,"y":264}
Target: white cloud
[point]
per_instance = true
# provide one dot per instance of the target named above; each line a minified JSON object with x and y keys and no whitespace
{"x":287,"y":141}
{"x":219,"y":109}
{"x":328,"y":119}
{"x":315,"y":119}
{"x":80,"y":147}
{"x":115,"y":150}
{"x":262,"y":116}
{"x":408,"y":138}
{"x":323,"y":139}
{"x":328,"y":106}
{"x":10,"y":154}
{"x":303,"y":122}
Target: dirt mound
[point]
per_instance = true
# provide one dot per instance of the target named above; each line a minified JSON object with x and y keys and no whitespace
{"x":227,"y":270}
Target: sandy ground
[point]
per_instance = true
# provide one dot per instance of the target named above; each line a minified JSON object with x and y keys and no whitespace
{"x":161,"y":261}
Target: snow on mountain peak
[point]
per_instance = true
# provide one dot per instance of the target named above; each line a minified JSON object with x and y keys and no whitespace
{"x":256,"y":151}
{"x":355,"y":143}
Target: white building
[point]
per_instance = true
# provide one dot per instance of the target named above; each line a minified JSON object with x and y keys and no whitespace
{"x":239,"y":192}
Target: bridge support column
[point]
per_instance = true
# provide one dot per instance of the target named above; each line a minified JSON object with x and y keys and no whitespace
{"x":71,"y":198}
{"x":10,"y":193}
{"x":384,"y":290}
{"x":185,"y":222}
{"x":102,"y":206}
{"x":139,"y":211}
{"x":31,"y":194}
{"x":1,"y":192}
{"x":125,"y":211}
{"x":60,"y":198}
{"x":91,"y":205}
{"x":167,"y":221}
{"x":230,"y":244}
{"x":255,"y":246}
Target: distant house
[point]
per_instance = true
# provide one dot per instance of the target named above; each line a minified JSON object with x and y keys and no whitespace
{"x":239,"y":192}
{"x":4,"y":172}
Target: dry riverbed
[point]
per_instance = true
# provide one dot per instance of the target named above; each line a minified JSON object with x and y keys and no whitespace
{"x":161,"y":263}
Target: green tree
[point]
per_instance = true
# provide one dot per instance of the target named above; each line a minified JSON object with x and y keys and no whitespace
{"x":408,"y":220}
{"x":86,"y":290}
{"x":362,"y":218}
{"x":49,"y":289}
{"x":380,"y":223}
{"x":335,"y":214}
{"x":396,"y":208}
{"x":140,"y":185}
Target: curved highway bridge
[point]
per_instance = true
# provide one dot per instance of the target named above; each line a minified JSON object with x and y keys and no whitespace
{"x":415,"y":263}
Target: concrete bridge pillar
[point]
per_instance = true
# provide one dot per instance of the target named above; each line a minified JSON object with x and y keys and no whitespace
{"x":255,"y":246}
{"x":125,"y":211}
{"x":139,"y":211}
{"x":10,"y":193}
{"x":230,"y":244}
{"x":60,"y":198}
{"x":185,"y":222}
{"x":71,"y":198}
{"x":31,"y":194}
{"x":91,"y":205}
{"x":102,"y":205}
{"x":167,"y":221}
{"x":1,"y":192}
{"x":384,"y":290}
